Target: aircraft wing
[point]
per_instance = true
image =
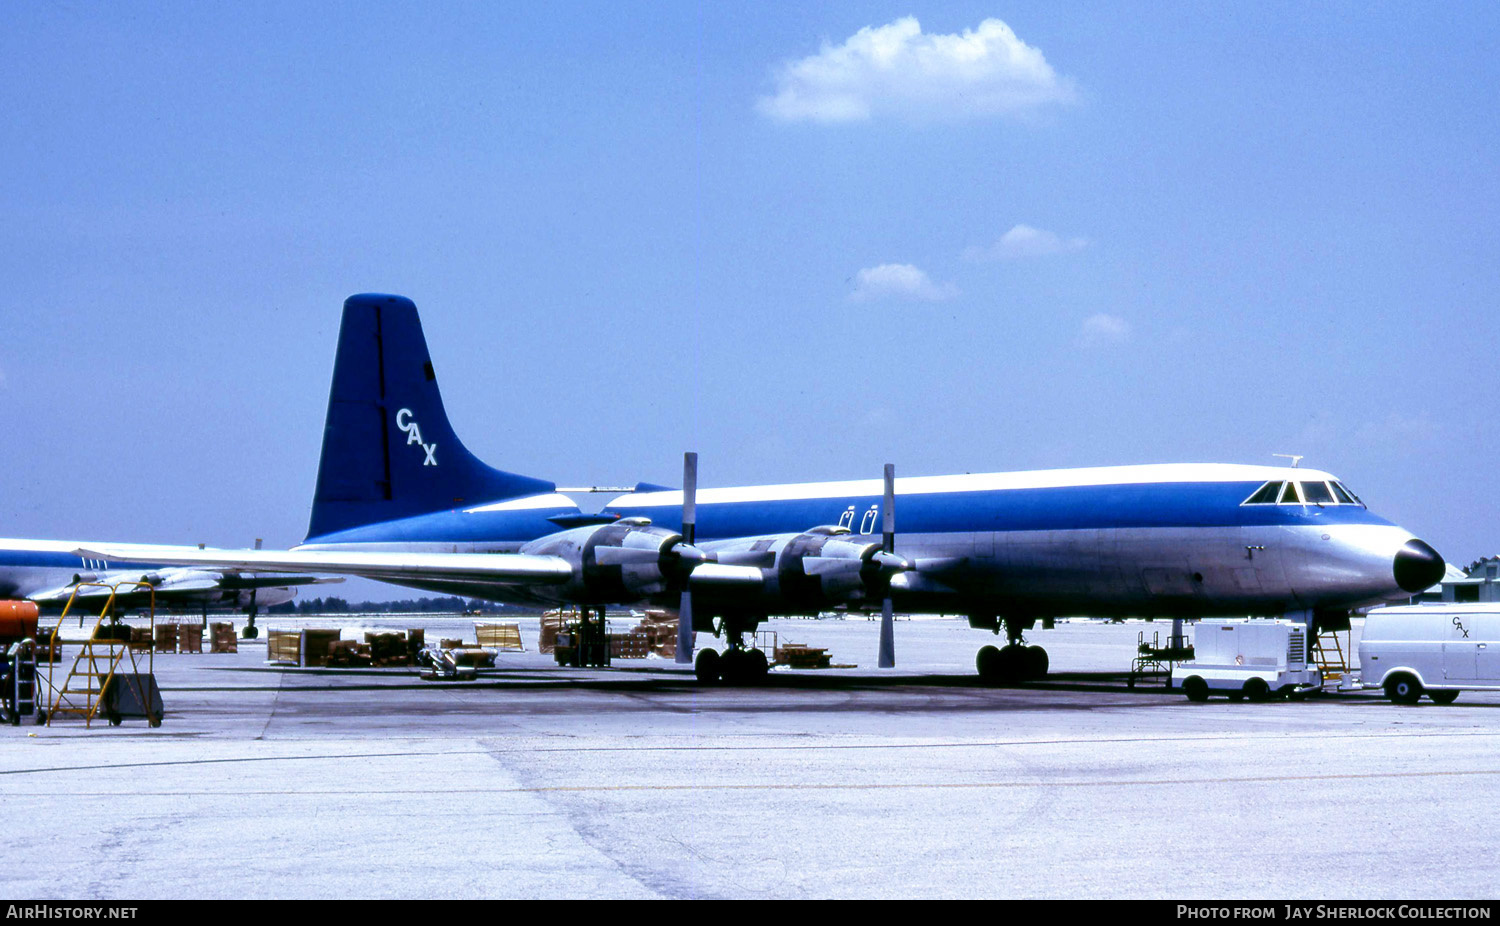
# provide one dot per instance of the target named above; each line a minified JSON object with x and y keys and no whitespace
{"x":496,"y":568}
{"x":176,"y":583}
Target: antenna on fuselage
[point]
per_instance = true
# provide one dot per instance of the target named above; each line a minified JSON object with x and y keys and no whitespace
{"x":1294,"y":457}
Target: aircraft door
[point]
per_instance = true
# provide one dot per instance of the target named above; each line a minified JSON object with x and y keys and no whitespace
{"x":1461,"y":651}
{"x":1487,"y":650}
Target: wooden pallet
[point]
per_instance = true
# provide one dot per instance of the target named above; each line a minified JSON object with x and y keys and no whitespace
{"x":800,"y":656}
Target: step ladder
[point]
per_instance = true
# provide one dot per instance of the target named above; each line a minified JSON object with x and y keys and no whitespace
{"x":83,"y":689}
{"x":18,"y":698}
{"x":1331,"y":656}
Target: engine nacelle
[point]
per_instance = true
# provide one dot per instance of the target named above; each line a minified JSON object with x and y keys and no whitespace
{"x":813,"y":570}
{"x":622,"y":562}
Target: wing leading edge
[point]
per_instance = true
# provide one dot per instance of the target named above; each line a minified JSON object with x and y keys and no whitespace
{"x":496,"y":568}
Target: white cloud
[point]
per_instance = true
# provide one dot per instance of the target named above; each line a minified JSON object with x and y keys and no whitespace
{"x":896,"y":70}
{"x":898,"y":281}
{"x":1104,"y":329}
{"x":1024,"y":241}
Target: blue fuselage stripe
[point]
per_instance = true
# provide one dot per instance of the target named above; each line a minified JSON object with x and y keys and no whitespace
{"x":1097,"y":507}
{"x":1140,"y":505}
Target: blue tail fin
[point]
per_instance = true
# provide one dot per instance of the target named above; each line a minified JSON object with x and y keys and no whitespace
{"x":388,"y":450}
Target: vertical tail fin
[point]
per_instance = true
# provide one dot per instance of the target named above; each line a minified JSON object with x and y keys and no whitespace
{"x":388,"y":450}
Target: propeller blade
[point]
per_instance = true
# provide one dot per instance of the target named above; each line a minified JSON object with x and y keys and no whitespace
{"x":887,"y":636}
{"x":888,"y":511}
{"x":685,"y":628}
{"x":887,"y":658}
{"x":689,"y":497}
{"x":685,"y":638}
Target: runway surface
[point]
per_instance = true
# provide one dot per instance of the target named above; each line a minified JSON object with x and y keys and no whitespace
{"x":537,"y":781}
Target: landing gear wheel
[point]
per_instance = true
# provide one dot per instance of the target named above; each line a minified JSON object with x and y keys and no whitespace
{"x":1257,"y":690}
{"x":1035,"y":662}
{"x":250,"y":632}
{"x":1011,"y":664}
{"x":1403,"y":689}
{"x":988,"y":664}
{"x":732,"y":667}
{"x":756,"y":664}
{"x":1443,"y":697}
{"x":114,"y":720}
{"x":707,"y":667}
{"x":1195,"y":688}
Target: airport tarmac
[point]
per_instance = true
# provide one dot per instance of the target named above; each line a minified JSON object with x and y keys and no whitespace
{"x":536,"y":781}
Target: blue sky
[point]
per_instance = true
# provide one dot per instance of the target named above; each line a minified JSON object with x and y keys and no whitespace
{"x":1078,"y":235}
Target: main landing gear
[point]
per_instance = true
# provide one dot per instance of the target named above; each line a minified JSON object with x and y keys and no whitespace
{"x":1013,"y":663}
{"x":735,"y":666}
{"x":738,"y":664}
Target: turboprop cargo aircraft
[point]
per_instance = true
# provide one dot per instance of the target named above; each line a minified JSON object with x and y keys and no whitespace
{"x":400,"y":499}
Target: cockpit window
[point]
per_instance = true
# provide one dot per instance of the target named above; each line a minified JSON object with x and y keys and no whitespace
{"x":1265,"y":495}
{"x":1312,"y":493}
{"x":1316,"y":493}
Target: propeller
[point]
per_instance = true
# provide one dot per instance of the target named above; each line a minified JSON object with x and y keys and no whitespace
{"x":685,"y":636}
{"x":887,"y":658}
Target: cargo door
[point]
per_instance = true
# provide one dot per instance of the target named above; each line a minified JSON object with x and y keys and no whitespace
{"x":1460,"y":660}
{"x":1486,"y":631}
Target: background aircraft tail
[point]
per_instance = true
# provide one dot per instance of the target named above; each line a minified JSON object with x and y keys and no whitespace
{"x":388,"y":450}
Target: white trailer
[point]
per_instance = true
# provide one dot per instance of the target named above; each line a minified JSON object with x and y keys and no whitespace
{"x":1248,"y":658}
{"x":1432,"y":649}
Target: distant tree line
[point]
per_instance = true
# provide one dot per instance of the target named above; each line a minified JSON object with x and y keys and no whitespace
{"x":451,"y":604}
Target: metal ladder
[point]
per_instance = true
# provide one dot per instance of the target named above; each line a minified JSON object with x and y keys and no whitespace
{"x":1330,"y":658}
{"x":84,"y":687}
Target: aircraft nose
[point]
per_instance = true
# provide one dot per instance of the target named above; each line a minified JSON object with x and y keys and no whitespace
{"x":1418,"y":566}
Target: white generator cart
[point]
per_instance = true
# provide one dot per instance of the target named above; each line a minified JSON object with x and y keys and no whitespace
{"x":1248,"y":658}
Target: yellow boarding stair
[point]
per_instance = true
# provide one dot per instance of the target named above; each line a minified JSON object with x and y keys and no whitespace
{"x":1332,"y":658}
{"x":83,"y":689}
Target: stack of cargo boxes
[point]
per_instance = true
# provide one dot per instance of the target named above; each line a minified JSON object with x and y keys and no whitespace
{"x":222,"y":639}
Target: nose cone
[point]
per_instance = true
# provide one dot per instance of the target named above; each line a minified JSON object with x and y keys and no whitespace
{"x":1418,"y":566}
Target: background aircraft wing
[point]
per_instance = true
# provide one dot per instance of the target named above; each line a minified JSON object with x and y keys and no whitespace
{"x":496,"y":568}
{"x":175,"y":584}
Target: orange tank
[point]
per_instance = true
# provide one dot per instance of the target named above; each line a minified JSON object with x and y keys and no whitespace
{"x":17,"y":620}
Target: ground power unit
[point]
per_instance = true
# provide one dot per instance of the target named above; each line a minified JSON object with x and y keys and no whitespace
{"x":1248,"y":658}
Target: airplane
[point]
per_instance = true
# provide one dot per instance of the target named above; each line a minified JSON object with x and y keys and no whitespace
{"x":400,"y":499}
{"x":50,"y":573}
